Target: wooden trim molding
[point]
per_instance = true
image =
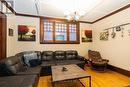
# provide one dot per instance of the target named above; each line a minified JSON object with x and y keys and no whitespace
{"x":85,"y":22}
{"x":3,"y":27}
{"x":114,"y":12}
{"x":27,"y":15}
{"x":119,"y":70}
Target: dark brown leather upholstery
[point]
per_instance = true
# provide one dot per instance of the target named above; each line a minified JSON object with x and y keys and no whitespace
{"x":50,"y":58}
{"x":15,"y":74}
{"x":10,"y":65}
{"x":47,"y":55}
{"x":19,"y":81}
{"x":96,"y":60}
{"x":59,"y":55}
{"x":71,"y":54}
{"x":13,"y":66}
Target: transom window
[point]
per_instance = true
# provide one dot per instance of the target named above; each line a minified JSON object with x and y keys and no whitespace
{"x":58,"y":31}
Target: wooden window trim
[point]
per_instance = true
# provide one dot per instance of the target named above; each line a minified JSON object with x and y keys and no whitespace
{"x":54,"y":41}
{"x":3,"y":27}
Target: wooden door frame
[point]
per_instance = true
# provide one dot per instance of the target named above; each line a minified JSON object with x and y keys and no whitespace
{"x":4,"y":33}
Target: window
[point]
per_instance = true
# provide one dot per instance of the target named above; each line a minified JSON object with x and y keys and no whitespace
{"x":72,"y":32}
{"x":58,"y":31}
{"x":48,"y":31}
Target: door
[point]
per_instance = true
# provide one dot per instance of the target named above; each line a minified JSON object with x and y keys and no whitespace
{"x":2,"y":36}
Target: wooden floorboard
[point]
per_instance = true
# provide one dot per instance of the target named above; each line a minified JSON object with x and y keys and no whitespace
{"x":99,"y":79}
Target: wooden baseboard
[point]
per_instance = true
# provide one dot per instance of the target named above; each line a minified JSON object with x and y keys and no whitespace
{"x":119,"y":70}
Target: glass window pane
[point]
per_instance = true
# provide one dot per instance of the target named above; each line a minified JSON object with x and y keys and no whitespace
{"x":72,"y":32}
{"x":60,"y":32}
{"x":72,"y":36}
{"x":48,"y":30}
{"x":61,"y":36}
{"x":48,"y":36}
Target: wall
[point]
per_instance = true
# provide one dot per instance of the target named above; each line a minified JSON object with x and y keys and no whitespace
{"x":117,"y":50}
{"x":15,"y":46}
{"x":11,"y":40}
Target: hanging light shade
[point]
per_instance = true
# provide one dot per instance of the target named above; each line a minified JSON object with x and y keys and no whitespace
{"x":74,"y":16}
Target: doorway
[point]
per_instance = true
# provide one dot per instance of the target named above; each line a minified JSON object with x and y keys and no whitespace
{"x":2,"y":35}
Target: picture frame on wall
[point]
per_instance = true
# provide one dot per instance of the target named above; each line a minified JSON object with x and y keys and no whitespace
{"x":26,"y":33}
{"x":11,"y":32}
{"x":86,"y":35}
{"x":104,"y":36}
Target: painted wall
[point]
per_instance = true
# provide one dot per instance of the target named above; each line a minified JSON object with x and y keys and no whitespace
{"x":20,"y":46}
{"x":117,"y":50}
{"x":11,"y":40}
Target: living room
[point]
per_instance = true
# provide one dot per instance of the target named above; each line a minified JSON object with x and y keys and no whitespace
{"x":107,"y":22}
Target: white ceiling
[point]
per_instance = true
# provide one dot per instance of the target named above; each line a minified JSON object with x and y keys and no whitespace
{"x":103,"y":8}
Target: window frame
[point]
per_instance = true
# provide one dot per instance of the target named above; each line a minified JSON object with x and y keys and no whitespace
{"x":56,"y":20}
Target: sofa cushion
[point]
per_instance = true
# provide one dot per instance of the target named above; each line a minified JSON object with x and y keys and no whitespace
{"x":19,"y":81}
{"x":28,"y":57}
{"x":71,"y":54}
{"x":10,"y":65}
{"x":48,"y":63}
{"x":66,"y":62}
{"x":61,"y":62}
{"x":30,"y":71}
{"x":47,"y":55}
{"x":59,"y":55}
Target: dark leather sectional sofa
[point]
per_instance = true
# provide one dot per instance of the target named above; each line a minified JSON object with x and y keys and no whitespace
{"x":14,"y":67}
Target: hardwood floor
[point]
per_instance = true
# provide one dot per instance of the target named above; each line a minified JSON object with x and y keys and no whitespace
{"x":99,"y":79}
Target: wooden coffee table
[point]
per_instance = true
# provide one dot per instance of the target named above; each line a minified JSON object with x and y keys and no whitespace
{"x":73,"y":72}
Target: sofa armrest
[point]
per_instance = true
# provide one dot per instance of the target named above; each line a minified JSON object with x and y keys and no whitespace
{"x":105,"y":60}
{"x":81,"y":58}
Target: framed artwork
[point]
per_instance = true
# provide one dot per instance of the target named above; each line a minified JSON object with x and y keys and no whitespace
{"x":26,"y":33}
{"x":11,"y":32}
{"x":104,"y":36}
{"x":87,"y":36}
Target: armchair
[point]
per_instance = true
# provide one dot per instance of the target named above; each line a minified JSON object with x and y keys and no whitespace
{"x":96,"y":61}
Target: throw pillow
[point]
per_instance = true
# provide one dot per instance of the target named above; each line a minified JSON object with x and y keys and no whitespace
{"x":28,"y":57}
{"x":34,"y":62}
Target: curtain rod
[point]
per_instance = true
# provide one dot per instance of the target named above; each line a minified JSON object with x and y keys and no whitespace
{"x":117,"y":26}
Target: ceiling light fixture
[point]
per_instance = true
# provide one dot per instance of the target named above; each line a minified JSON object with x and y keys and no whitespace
{"x":73,"y":16}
